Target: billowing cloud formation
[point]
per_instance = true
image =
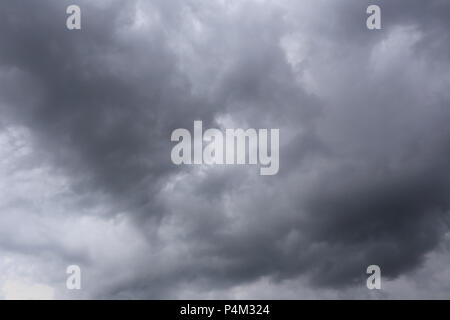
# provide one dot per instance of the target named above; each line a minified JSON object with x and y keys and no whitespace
{"x":86,"y":176}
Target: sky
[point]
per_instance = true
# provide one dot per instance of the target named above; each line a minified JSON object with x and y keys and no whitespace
{"x":85,"y":171}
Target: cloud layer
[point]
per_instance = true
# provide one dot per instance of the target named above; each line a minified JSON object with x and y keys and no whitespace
{"x":85,"y":170}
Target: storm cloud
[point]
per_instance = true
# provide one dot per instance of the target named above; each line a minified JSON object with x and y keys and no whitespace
{"x":85,"y":170}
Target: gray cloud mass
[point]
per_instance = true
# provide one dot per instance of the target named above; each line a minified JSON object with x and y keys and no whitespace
{"x":86,"y":175}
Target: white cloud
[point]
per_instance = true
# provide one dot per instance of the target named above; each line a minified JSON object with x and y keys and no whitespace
{"x":17,"y":289}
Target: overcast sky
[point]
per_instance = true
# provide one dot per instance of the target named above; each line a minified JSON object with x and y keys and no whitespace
{"x":85,"y":170}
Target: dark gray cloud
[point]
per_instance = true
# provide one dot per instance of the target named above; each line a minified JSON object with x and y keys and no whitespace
{"x":86,"y":123}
